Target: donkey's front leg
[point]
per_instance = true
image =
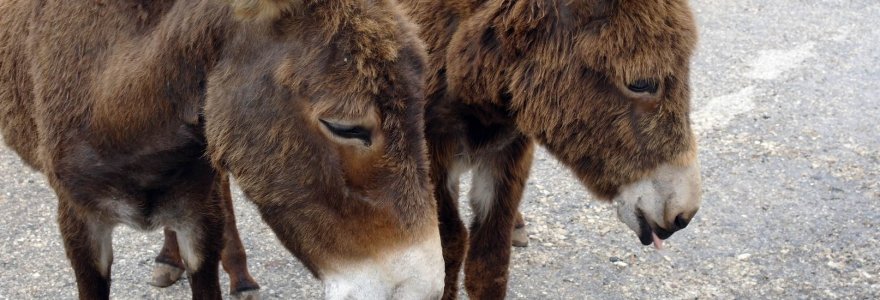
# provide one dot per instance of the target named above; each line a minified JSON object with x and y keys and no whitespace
{"x":445,"y":173}
{"x":234,"y":260}
{"x":200,"y":239}
{"x":498,"y":182}
{"x":200,"y":243}
{"x":89,"y":247}
{"x":169,"y":265}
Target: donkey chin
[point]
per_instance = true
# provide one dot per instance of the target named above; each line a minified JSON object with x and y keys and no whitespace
{"x":662,"y":203}
{"x":411,"y":272}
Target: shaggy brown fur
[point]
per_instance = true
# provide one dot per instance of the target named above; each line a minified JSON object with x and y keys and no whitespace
{"x":117,"y":103}
{"x":503,"y":74}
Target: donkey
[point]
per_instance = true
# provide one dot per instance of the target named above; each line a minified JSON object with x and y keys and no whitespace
{"x":137,"y":111}
{"x":601,"y":84}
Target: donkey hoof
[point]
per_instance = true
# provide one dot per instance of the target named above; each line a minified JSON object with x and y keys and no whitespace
{"x":164,"y":275}
{"x":520,"y":237}
{"x":246,"y":295}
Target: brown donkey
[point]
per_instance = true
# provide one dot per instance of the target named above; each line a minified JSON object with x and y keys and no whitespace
{"x":602,"y":84}
{"x":136,"y":110}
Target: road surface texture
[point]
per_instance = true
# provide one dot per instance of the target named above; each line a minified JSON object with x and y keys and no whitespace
{"x":785,"y":98}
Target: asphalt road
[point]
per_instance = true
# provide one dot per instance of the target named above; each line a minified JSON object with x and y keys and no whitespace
{"x":785,"y":97}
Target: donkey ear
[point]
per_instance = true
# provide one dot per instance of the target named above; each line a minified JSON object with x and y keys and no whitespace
{"x":262,"y":10}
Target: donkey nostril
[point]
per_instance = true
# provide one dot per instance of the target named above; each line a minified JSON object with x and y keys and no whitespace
{"x":681,"y":222}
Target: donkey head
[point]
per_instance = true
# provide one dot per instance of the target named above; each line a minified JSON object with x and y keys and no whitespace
{"x":603,"y":84}
{"x":316,"y":109}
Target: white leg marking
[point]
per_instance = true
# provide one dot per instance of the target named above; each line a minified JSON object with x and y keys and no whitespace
{"x":719,"y":111}
{"x":772,"y":63}
{"x":102,"y":246}
{"x":453,"y":179}
{"x":482,"y":193}
{"x":187,"y":240}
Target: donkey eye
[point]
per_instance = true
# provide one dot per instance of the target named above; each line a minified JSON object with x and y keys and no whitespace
{"x":643,"y":86}
{"x":349,"y":132}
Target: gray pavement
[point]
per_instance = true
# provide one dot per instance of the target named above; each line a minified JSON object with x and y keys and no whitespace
{"x":785,"y":97}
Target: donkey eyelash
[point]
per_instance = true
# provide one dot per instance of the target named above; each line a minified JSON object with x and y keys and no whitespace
{"x":349,"y":132}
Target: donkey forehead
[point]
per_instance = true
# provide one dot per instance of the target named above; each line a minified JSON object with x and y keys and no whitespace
{"x":333,"y":87}
{"x":355,"y":106}
{"x":347,"y":85}
{"x":641,"y":39}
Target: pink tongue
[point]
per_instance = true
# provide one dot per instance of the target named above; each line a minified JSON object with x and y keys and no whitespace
{"x":658,"y":243}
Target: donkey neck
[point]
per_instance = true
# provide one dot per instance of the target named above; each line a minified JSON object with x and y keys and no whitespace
{"x":155,"y":65}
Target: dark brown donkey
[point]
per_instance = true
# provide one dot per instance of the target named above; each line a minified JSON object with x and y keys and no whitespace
{"x":136,"y":110}
{"x":602,"y":84}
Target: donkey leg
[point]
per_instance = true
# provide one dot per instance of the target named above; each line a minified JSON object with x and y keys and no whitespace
{"x":453,"y":237}
{"x":89,"y":247}
{"x":520,"y":236}
{"x":200,"y":237}
{"x":453,"y":233}
{"x":168,"y":267}
{"x":242,"y":285}
{"x":200,"y":244}
{"x":498,"y":183}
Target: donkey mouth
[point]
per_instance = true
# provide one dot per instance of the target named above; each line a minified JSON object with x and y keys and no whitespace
{"x":648,"y":235}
